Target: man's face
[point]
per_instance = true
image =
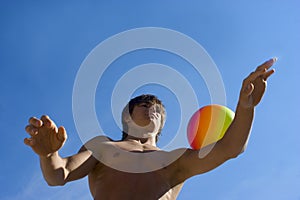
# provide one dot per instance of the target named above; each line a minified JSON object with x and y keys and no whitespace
{"x":146,"y":116}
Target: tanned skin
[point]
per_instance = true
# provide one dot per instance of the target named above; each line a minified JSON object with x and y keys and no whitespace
{"x":135,"y":168}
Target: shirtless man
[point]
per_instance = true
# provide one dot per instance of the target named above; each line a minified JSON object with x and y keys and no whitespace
{"x":135,"y":168}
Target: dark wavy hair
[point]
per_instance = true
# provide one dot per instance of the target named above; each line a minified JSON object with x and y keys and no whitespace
{"x":144,"y":98}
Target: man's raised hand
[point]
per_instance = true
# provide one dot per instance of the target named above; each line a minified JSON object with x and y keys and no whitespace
{"x":254,"y":85}
{"x":45,"y":138}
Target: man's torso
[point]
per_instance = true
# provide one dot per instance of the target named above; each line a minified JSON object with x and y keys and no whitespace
{"x":130,"y":170}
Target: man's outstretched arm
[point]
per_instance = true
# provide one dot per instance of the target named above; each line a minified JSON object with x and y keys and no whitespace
{"x":252,"y":91}
{"x":194,"y":162}
{"x":46,"y":139}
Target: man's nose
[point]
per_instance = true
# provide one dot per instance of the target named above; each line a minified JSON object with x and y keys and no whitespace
{"x":152,"y":109}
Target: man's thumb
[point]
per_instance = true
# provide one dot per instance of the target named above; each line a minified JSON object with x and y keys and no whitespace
{"x":249,"y":89}
{"x":61,"y":133}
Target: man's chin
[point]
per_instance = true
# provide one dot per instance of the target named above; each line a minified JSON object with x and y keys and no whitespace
{"x":144,"y":135}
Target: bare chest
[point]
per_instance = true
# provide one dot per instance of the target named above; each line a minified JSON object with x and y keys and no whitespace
{"x":133,"y":158}
{"x":109,"y":183}
{"x":130,"y":171}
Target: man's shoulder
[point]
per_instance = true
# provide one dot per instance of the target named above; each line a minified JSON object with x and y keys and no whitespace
{"x":96,"y":141}
{"x":102,"y":138}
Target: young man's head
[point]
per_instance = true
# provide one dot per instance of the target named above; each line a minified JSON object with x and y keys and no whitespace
{"x":145,"y":112}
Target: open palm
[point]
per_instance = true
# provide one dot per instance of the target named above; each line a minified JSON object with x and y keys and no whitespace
{"x":45,"y":138}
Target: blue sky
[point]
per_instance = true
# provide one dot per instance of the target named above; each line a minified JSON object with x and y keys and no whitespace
{"x":43,"y":44}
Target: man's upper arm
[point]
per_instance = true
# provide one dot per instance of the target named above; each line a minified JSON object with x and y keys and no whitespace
{"x":194,"y":162}
{"x":82,"y":163}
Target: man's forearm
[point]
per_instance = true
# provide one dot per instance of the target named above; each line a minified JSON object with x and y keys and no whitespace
{"x":236,"y":136}
{"x":53,"y":168}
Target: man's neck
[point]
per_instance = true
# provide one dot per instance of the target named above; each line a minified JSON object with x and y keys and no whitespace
{"x":150,"y":141}
{"x":142,"y":135}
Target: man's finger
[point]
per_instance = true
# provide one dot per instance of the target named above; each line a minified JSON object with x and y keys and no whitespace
{"x":29,"y":141}
{"x":28,"y":128}
{"x":262,"y":71}
{"x":266,"y":65}
{"x":47,"y":121}
{"x":251,"y":78}
{"x":31,"y":130}
{"x":268,"y":74}
{"x":35,"y":122}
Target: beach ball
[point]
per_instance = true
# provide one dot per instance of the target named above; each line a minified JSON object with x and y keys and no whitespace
{"x":208,"y":125}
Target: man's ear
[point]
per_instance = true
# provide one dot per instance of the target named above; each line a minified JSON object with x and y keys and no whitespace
{"x":127,"y":118}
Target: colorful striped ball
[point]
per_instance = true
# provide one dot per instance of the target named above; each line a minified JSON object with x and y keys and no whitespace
{"x":208,"y":125}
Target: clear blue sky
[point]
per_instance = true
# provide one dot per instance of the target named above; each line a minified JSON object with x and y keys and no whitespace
{"x":43,"y":43}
